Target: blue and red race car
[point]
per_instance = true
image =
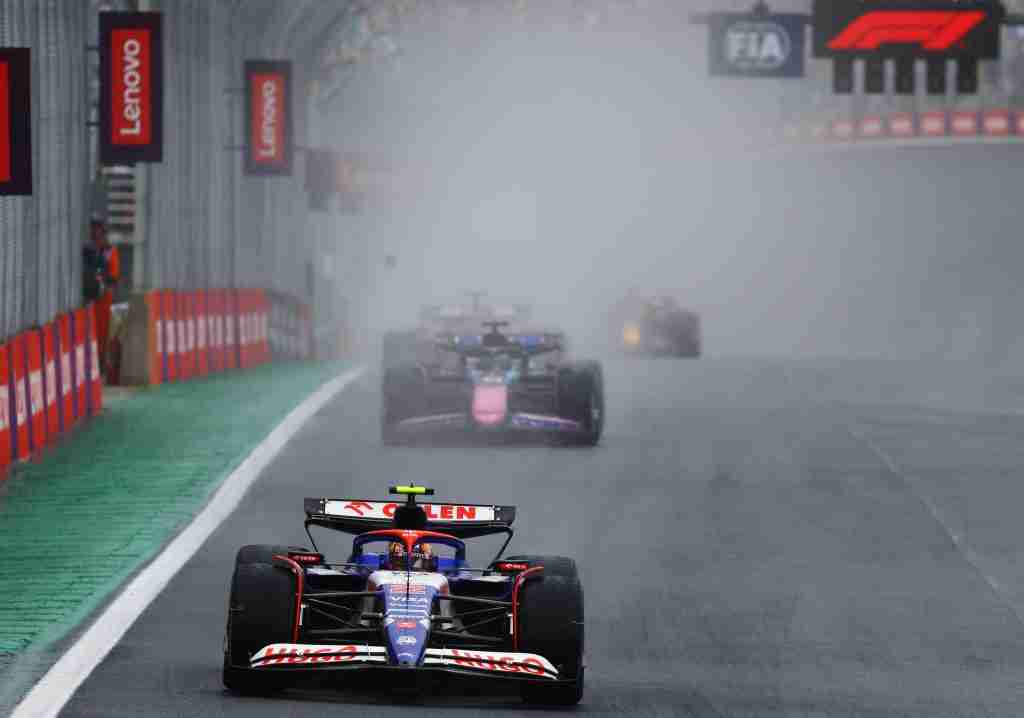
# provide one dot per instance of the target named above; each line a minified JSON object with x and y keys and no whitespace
{"x":405,"y":600}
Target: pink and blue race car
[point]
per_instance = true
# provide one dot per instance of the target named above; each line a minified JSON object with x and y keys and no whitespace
{"x":493,"y":384}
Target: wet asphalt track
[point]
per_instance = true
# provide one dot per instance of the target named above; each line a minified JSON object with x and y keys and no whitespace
{"x":756,"y":539}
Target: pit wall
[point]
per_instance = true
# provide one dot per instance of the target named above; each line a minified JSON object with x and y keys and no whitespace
{"x":49,"y":381}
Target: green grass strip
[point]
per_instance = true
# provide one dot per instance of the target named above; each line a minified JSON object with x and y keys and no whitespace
{"x":78,"y":521}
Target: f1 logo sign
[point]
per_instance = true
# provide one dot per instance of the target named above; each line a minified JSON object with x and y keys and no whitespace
{"x":932,"y":31}
{"x":908,"y":29}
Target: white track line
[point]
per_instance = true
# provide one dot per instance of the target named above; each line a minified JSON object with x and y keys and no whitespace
{"x":55,"y":689}
{"x":966,"y":552}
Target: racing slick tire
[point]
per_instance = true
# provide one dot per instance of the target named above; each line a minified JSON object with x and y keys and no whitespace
{"x":551,"y":625}
{"x":261,"y":611}
{"x":581,"y":398}
{"x":402,"y":395}
{"x":688,"y":337}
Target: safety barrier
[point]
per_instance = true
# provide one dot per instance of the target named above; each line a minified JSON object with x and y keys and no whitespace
{"x":291,"y":327}
{"x":993,"y":123}
{"x":49,"y":379}
{"x":176,"y":335}
{"x":50,"y":375}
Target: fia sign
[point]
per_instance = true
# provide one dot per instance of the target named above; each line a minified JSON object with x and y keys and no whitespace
{"x":756,"y":45}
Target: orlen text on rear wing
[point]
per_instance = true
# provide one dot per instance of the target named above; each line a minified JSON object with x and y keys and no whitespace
{"x":356,"y":516}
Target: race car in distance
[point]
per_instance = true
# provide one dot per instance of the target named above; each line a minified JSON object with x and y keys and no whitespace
{"x":405,"y":604}
{"x":655,"y":327}
{"x":411,"y":345}
{"x":494,"y":384}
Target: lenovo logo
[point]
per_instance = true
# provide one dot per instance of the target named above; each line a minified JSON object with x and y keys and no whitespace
{"x":131,"y":114}
{"x":268,"y":122}
{"x":131,"y":94}
{"x":268,"y":118}
{"x":931,"y":30}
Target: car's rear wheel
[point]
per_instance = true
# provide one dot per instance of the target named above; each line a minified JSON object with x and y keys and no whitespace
{"x":261,"y":611}
{"x":403,"y":397}
{"x":397,"y":349}
{"x":551,"y":625}
{"x":581,"y":398}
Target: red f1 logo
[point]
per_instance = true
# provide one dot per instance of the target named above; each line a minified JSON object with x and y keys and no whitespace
{"x":931,"y":30}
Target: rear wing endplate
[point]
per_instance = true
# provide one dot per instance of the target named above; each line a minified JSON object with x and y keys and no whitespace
{"x":356,"y":516}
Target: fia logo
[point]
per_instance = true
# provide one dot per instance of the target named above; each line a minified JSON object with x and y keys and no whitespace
{"x":757,"y":46}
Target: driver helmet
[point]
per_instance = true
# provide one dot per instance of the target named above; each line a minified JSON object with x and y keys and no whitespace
{"x":398,"y":560}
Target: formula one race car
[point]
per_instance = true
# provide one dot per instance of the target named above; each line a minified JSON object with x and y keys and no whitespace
{"x":494,"y":384}
{"x":418,"y":344}
{"x":405,"y":605}
{"x":655,"y":327}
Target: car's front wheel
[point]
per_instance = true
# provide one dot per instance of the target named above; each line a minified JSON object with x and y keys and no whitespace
{"x":581,"y":398}
{"x":261,"y":611}
{"x":551,"y":625}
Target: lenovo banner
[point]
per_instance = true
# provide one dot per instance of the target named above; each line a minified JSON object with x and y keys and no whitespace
{"x":131,"y":87}
{"x":15,"y":122}
{"x":756,"y":45}
{"x":268,"y":136}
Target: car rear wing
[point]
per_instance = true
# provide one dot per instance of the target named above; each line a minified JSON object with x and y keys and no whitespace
{"x":356,"y":516}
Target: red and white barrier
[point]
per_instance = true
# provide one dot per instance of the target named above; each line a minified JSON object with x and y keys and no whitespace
{"x":48,"y":340}
{"x":154,"y":338}
{"x":20,"y":426}
{"x":199,"y":313}
{"x":80,"y":331}
{"x":215,"y":330}
{"x":49,"y":378}
{"x":170,"y":332}
{"x":34,"y":388}
{"x":94,"y":377}
{"x":65,"y":371}
{"x":6,"y":424}
{"x":186,"y":336}
{"x":995,"y":122}
{"x":902,"y":125}
{"x":232,"y":353}
{"x":290,"y":330}
{"x":963,"y":124}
